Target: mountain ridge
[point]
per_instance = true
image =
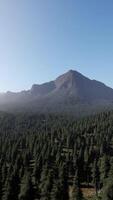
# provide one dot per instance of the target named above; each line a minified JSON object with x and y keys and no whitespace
{"x":69,"y":91}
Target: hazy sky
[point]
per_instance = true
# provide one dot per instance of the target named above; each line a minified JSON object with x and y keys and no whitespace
{"x":40,"y":39}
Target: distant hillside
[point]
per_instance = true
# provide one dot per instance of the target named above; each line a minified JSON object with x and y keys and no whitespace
{"x":70,"y":93}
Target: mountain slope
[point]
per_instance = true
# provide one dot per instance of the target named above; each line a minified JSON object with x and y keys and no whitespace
{"x":70,"y":92}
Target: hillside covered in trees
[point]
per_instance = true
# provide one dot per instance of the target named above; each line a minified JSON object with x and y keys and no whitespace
{"x":55,"y":158}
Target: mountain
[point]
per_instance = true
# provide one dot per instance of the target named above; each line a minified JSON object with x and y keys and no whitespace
{"x":71,"y":93}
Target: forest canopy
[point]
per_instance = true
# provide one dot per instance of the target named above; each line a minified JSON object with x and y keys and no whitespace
{"x":51,"y":157}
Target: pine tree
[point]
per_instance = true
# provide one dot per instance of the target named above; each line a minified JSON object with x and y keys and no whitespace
{"x":96,"y":176}
{"x":76,"y":192}
{"x":26,"y":190}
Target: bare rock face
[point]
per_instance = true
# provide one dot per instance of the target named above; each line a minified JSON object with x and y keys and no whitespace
{"x":69,"y":92}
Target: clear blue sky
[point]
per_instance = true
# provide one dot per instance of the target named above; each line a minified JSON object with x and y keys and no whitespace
{"x":40,"y":39}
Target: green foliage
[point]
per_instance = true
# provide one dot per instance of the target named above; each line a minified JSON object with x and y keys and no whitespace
{"x":42,"y":157}
{"x":26,"y":189}
{"x":108,"y":191}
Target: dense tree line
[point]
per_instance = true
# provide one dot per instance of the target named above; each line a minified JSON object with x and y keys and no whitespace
{"x":53,"y":157}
